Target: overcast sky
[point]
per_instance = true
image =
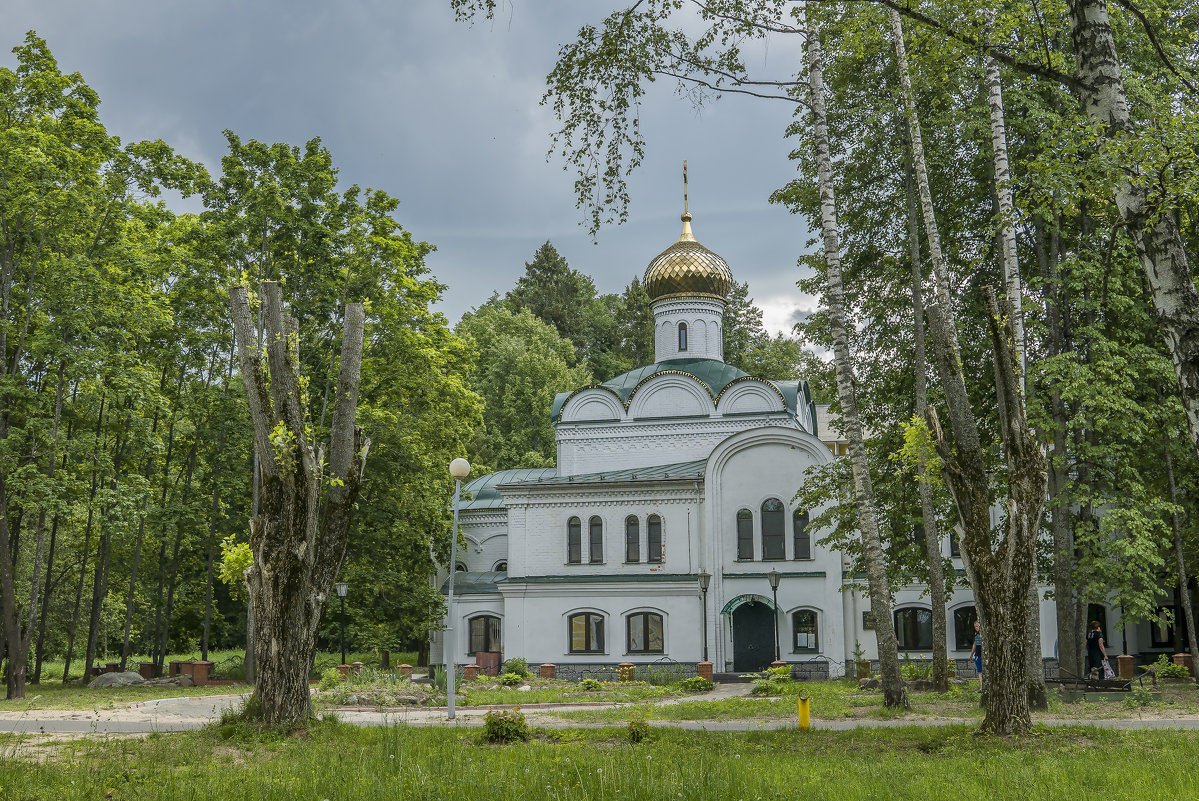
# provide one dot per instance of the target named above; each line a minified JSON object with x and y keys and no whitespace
{"x":443,"y":116}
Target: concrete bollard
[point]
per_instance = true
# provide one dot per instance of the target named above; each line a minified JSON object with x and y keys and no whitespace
{"x":547,"y":670}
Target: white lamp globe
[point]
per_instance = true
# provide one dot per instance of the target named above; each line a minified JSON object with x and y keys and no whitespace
{"x":459,"y":468}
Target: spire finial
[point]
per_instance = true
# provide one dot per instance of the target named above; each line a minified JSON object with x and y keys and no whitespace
{"x":686,"y":213}
{"x":686,"y":236}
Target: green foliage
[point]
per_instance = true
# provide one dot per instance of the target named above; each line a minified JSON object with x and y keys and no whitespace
{"x":697,"y":684}
{"x":1138,"y":697}
{"x":1166,"y":669}
{"x":505,"y":726}
{"x":439,"y":679}
{"x":330,"y":678}
{"x":516,"y":665}
{"x":511,"y":679}
{"x":522,"y":364}
{"x":590,"y":685}
{"x":638,"y":730}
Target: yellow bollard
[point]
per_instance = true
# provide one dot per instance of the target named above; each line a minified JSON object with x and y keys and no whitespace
{"x":805,"y":721}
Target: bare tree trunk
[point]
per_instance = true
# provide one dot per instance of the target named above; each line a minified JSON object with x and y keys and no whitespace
{"x":932,"y":538}
{"x":1154,"y":231}
{"x":894,"y":694}
{"x":296,"y":558}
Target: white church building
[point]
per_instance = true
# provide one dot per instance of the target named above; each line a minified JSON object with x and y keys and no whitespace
{"x":675,"y":470}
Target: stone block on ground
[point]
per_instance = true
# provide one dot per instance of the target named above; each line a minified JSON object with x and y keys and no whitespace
{"x":921,"y":685}
{"x":869,"y":684}
{"x":126,"y":679}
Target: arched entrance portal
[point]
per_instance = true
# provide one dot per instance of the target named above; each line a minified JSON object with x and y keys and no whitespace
{"x":753,"y":635}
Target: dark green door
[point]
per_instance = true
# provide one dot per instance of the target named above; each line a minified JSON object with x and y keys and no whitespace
{"x":753,"y":636}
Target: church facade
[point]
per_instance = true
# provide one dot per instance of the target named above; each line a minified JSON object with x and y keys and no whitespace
{"x":672,"y":476}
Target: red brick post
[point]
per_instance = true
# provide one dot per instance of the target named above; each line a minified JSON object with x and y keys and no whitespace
{"x":704,"y":670}
{"x":112,"y":667}
{"x":547,"y":670}
{"x":200,"y":671}
{"x":344,"y":670}
{"x":146,"y":669}
{"x":470,"y":672}
{"x":406,"y":671}
{"x":174,"y":667}
{"x":357,"y":666}
{"x":1185,"y":661}
{"x":778,"y":663}
{"x":625,"y":671}
{"x":1125,"y":669}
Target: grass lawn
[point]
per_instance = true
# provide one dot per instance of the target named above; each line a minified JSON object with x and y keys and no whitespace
{"x":841,"y":700}
{"x":59,"y":696}
{"x":335,"y":761}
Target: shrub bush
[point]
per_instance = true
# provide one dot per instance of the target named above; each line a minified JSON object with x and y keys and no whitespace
{"x":1168,"y":670}
{"x":330,"y":678}
{"x":517,"y":666}
{"x":590,"y":685}
{"x":780,"y":673}
{"x":697,"y":684}
{"x":1138,"y":696}
{"x":638,"y":730}
{"x":511,"y":679}
{"x":505,"y":726}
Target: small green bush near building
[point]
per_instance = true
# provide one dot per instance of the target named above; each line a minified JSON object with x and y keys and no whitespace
{"x":505,"y":726}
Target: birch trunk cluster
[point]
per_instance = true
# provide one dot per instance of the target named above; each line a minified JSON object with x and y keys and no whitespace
{"x":299,"y":537}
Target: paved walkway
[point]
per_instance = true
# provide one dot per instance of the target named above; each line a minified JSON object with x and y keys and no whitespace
{"x":190,"y":713}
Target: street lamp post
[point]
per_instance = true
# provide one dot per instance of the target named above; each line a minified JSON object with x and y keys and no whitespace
{"x":704,"y":579}
{"x":342,"y":589}
{"x":459,"y":469}
{"x":773,"y":577}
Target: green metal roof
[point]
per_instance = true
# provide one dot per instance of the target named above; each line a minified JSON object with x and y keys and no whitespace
{"x":714,"y":374}
{"x":473,"y":583}
{"x":682,"y":471}
{"x":484,"y":494}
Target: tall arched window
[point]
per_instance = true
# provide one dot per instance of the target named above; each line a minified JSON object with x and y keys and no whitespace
{"x":803,"y":540}
{"x":632,"y":539}
{"x":963,"y":627}
{"x":596,"y":527}
{"x":484,"y":634}
{"x":682,"y":336}
{"x":745,"y":534}
{"x":805,"y":631}
{"x":645,"y":633}
{"x":653,"y":546}
{"x":574,"y":541}
{"x":773,"y":529}
{"x":914,"y":628}
{"x":586,"y":633}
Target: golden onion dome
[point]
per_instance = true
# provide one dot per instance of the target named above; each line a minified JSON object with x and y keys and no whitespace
{"x":688,"y":269}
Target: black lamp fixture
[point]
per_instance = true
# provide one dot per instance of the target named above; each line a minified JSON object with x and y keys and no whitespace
{"x":774,"y":577}
{"x":705,"y":578}
{"x":342,"y":589}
